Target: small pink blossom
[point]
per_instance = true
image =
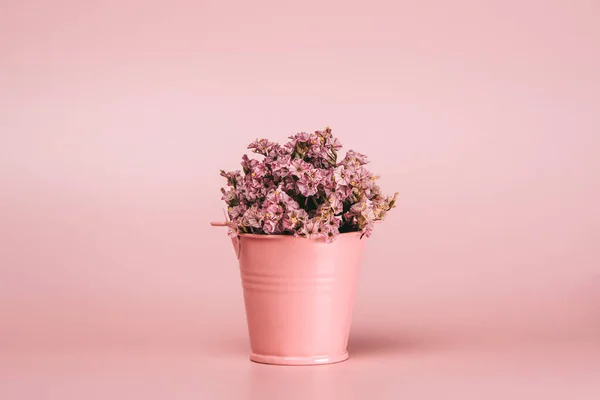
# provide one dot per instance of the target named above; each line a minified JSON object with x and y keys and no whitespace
{"x":343,"y":192}
{"x":354,"y":158}
{"x":307,"y":229}
{"x":299,"y":167}
{"x":335,"y":143}
{"x":260,"y":170}
{"x":270,"y":226}
{"x":232,"y":229}
{"x":228,"y":195}
{"x":248,"y":164}
{"x":318,"y":230}
{"x":336,"y":205}
{"x":274,"y":211}
{"x":253,"y":217}
{"x":294,"y":219}
{"x":340,"y":175}
{"x":307,"y":186}
{"x":280,"y":166}
{"x":237,"y":211}
{"x":299,"y":137}
{"x":289,"y":185}
{"x":314,"y":174}
{"x":333,"y":222}
{"x":367,"y":230}
{"x":233,"y":178}
{"x":331,"y":235}
{"x":261,"y":146}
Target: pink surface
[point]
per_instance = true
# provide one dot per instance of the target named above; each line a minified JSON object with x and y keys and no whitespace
{"x":116,"y":116}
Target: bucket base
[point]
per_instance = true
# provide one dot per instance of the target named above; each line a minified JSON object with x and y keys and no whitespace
{"x":281,"y":360}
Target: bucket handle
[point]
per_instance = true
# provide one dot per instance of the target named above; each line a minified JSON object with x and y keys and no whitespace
{"x":237,"y":244}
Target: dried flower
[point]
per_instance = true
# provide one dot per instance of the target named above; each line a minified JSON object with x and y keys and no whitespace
{"x":299,"y":167}
{"x":261,"y":146}
{"x":307,"y":186}
{"x":301,"y":189}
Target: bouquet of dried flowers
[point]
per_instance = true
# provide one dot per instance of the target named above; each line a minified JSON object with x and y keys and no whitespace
{"x":302,"y":189}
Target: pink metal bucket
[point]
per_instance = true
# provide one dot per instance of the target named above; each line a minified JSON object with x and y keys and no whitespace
{"x":299,"y":294}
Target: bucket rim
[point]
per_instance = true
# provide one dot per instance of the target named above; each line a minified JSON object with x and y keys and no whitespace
{"x":267,"y":236}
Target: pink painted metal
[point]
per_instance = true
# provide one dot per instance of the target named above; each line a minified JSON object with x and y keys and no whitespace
{"x":299,"y":295}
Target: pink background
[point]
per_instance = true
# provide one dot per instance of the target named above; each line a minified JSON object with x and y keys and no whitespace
{"x":116,"y":116}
